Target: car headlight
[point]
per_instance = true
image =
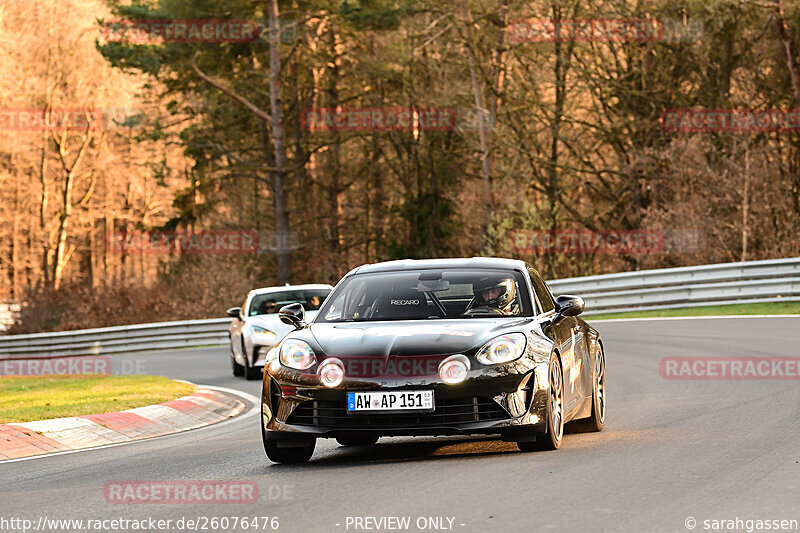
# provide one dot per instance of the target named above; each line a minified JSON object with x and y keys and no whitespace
{"x":502,"y":349}
{"x":264,"y":333}
{"x":297,"y":354}
{"x":331,"y":373}
{"x":454,"y":369}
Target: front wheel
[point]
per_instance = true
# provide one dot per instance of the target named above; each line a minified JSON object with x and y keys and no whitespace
{"x":238,"y":370}
{"x":555,"y":412}
{"x":297,"y":453}
{"x":251,"y":372}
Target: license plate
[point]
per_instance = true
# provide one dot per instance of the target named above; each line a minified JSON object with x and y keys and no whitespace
{"x":421,"y":400}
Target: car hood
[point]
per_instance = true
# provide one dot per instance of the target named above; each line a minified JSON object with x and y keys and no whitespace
{"x":429,"y":337}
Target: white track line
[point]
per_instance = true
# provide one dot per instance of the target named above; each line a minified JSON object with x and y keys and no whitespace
{"x":253,"y":411}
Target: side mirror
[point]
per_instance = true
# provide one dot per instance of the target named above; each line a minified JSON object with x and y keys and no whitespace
{"x":293,"y":314}
{"x":568,"y":305}
{"x":234,"y":312}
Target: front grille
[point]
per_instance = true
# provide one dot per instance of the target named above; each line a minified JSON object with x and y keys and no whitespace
{"x":448,"y":411}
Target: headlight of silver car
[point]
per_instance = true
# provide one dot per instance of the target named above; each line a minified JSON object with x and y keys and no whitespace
{"x":264,"y":334}
{"x":502,"y":349}
{"x":297,"y":354}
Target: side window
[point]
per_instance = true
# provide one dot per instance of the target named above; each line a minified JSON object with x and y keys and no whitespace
{"x":542,"y":292}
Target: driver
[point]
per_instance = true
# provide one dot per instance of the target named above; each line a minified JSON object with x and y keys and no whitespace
{"x":499,"y":295}
{"x":268,"y":307}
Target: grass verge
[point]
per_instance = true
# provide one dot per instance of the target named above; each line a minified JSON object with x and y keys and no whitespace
{"x":764,"y":308}
{"x":28,"y":398}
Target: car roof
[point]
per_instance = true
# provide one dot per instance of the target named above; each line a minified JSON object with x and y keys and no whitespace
{"x":424,"y":264}
{"x":278,"y":288}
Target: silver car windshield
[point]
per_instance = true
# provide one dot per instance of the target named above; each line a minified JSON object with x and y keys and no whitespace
{"x":428,"y":294}
{"x":270,"y":303}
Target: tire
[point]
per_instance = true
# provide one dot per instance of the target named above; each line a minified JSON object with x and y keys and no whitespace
{"x":357,"y":440}
{"x":251,"y":373}
{"x":555,"y":412}
{"x":293,"y":455}
{"x":238,"y":370}
{"x":597,"y":419}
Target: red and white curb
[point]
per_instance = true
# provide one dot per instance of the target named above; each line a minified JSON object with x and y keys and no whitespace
{"x":201,"y":408}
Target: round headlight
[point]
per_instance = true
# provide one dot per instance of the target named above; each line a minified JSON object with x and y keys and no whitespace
{"x":454,"y":369}
{"x":502,"y":349}
{"x":331,"y":373}
{"x":297,"y":354}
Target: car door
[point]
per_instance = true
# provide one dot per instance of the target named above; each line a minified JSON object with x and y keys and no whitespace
{"x":569,"y":337}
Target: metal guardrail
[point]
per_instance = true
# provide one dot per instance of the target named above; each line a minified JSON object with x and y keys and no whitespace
{"x":726,"y":283}
{"x":753,"y":281}
{"x":114,"y":340}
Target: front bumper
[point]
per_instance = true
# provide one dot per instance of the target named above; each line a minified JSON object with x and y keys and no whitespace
{"x":508,"y":400}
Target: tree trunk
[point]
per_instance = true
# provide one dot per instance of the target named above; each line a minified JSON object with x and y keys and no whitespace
{"x":334,"y":165}
{"x":70,"y":170}
{"x":792,"y":62}
{"x":43,"y":206}
{"x":62,"y":256}
{"x":15,"y":252}
{"x":280,"y":196}
{"x":483,"y":134}
{"x":746,"y":200}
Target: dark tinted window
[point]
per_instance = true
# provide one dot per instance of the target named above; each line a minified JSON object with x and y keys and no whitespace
{"x":542,"y":292}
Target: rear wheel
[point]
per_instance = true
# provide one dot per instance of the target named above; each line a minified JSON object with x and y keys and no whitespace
{"x":357,"y":440}
{"x":597,"y":420}
{"x":555,"y":412}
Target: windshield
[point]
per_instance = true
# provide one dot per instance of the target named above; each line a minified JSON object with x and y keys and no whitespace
{"x":428,"y":294}
{"x":268,"y":304}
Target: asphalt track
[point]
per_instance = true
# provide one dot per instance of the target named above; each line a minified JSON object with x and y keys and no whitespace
{"x":671,"y":450}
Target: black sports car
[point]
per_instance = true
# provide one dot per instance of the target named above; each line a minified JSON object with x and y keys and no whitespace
{"x":433,"y":347}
